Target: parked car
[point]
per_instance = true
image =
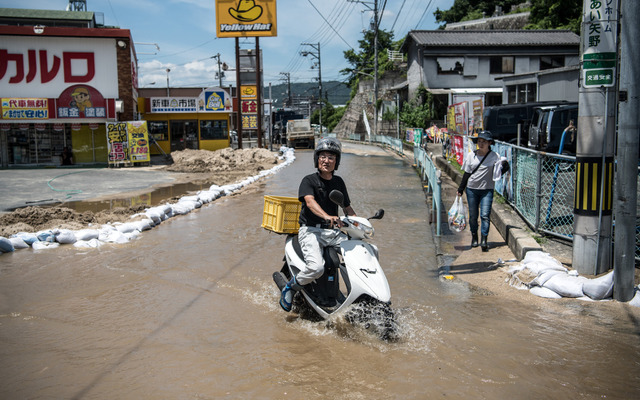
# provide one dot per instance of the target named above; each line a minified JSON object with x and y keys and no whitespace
{"x":547,"y":125}
{"x":503,"y":120}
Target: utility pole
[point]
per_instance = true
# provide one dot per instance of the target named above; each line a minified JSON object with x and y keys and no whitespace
{"x":220,"y":73}
{"x":287,"y":76}
{"x":593,"y":202}
{"x":627,"y":169}
{"x":316,"y":54}
{"x":373,"y":8}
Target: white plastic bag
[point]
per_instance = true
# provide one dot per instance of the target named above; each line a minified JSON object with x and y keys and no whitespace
{"x":457,"y":215}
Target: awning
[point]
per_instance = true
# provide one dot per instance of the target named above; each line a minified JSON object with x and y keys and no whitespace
{"x":465,"y":90}
{"x":399,"y":86}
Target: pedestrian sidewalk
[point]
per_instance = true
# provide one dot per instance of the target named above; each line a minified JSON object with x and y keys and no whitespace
{"x":509,"y":239}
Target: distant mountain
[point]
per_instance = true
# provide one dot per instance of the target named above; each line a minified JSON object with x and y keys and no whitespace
{"x":337,"y":92}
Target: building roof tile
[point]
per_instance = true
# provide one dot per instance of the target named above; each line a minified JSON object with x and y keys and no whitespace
{"x":438,"y":38}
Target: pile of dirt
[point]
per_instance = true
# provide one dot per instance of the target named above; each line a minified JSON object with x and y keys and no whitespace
{"x":225,"y":160}
{"x":219,"y":167}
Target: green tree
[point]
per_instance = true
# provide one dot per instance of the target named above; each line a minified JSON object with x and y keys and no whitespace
{"x":545,"y":14}
{"x":364,"y":59}
{"x":465,"y":10}
{"x":556,"y":14}
{"x":330,"y":115}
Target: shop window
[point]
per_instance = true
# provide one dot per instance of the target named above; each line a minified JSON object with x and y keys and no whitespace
{"x":549,"y":62}
{"x":214,"y":130}
{"x":502,"y":65}
{"x":159,"y":130}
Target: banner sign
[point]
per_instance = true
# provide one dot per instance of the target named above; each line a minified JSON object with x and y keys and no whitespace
{"x":457,"y":118}
{"x":81,"y":101}
{"x":250,"y":121}
{"x":19,"y":108}
{"x":174,"y":104}
{"x":246,"y":18}
{"x":215,"y":100}
{"x":599,"y":43}
{"x":127,"y":142}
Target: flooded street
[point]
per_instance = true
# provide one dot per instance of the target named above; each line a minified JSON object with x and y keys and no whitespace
{"x":190,"y":311}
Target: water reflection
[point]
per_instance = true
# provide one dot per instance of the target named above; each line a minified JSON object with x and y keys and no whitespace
{"x":153,"y":198}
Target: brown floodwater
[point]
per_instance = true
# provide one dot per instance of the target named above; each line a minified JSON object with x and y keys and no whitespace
{"x":152,"y":198}
{"x":189,"y":311}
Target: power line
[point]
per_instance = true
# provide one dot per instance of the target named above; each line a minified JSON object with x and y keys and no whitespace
{"x":397,"y":15}
{"x":325,"y":20}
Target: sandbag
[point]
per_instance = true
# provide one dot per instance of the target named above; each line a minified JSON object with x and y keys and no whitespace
{"x":599,"y":288}
{"x":635,"y":301}
{"x":114,"y":236}
{"x":126,"y":227}
{"x":18,"y":243}
{"x":5,"y":245}
{"x":46,"y":236}
{"x":154,"y":215}
{"x":143,"y":225}
{"x":87,"y":234}
{"x":543,"y":277}
{"x":88,"y":244}
{"x":565,"y":285}
{"x":29,"y":238}
{"x":538,"y":261}
{"x":544,"y":292}
{"x":44,"y":245}
{"x":64,"y":236}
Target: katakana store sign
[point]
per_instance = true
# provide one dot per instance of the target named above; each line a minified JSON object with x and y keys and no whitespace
{"x":599,"y":56}
{"x":44,"y":67}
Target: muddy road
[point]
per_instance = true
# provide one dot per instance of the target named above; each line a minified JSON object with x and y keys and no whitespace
{"x":189,"y":311}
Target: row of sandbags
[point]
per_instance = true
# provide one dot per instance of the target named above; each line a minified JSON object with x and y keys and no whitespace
{"x":553,"y":280}
{"x":124,"y":232}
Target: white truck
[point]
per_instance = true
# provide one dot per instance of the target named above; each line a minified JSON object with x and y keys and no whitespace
{"x":300,"y":134}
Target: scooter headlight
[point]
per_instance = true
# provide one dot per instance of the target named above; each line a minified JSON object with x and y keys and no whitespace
{"x":366,"y":230}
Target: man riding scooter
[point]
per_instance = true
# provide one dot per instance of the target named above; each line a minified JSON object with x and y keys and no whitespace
{"x":318,"y":216}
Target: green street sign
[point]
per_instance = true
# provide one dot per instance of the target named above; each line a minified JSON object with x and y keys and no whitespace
{"x":599,"y":77}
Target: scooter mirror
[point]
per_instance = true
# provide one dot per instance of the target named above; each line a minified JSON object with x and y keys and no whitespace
{"x":379,"y":214}
{"x":337,"y":197}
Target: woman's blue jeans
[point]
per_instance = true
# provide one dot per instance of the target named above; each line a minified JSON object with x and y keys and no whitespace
{"x":479,"y":201}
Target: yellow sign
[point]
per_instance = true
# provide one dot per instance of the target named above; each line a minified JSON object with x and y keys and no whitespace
{"x":244,"y":18}
{"x":248,"y":92}
{"x":138,"y":141}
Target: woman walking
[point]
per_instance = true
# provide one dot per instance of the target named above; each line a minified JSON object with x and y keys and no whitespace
{"x":478,"y":180}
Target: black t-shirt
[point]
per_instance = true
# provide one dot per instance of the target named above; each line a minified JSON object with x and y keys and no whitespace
{"x":320,"y":188}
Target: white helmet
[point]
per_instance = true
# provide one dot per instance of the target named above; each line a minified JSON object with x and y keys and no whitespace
{"x":331,"y":145}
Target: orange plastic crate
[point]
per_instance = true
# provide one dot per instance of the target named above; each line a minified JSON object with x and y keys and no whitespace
{"x":281,"y":214}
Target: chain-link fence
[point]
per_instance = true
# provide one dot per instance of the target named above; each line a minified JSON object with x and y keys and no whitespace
{"x":541,"y":188}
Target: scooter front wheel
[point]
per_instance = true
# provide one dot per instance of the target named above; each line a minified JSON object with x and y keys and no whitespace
{"x":375,"y":316}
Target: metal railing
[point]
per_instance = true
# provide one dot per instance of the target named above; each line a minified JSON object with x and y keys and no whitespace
{"x":430,"y":174}
{"x":541,"y":188}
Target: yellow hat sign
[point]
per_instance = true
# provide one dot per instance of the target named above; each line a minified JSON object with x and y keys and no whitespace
{"x":242,"y":18}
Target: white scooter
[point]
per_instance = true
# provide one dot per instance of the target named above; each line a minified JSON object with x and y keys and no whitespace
{"x":364,"y":295}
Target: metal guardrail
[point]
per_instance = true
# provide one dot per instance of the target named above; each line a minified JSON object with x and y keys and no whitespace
{"x":430,"y":174}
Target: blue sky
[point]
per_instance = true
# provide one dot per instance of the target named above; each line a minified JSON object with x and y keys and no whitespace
{"x":184,"y":30}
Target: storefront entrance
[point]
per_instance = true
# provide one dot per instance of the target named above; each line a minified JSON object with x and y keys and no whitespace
{"x":184,"y":134}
